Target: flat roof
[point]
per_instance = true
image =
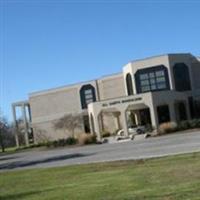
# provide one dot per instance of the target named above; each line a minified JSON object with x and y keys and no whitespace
{"x":69,"y":86}
{"x":20,"y":103}
{"x":60,"y":88}
{"x":157,"y":56}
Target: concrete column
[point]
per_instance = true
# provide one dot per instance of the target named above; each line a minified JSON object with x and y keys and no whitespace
{"x":101,"y":119}
{"x":187,"y":110}
{"x":124,"y":122}
{"x":29,"y":113}
{"x":172,"y":112}
{"x":25,"y":125}
{"x":117,"y":120}
{"x":154,"y":116}
{"x":192,"y":80}
{"x":91,"y":121}
{"x":101,"y":125}
{"x":137,"y":117}
{"x":15,"y":124}
{"x":96,"y":127}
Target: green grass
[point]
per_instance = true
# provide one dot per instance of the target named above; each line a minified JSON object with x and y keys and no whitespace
{"x":8,"y":150}
{"x":11,"y":150}
{"x":176,"y":177}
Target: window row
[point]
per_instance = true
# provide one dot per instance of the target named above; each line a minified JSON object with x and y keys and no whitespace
{"x":156,"y":78}
{"x":152,"y":79}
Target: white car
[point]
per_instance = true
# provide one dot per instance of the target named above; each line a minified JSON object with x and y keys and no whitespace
{"x":133,"y":130}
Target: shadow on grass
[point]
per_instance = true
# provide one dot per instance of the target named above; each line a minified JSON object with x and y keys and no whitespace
{"x":170,"y":195}
{"x":22,"y":195}
{"x":18,"y":164}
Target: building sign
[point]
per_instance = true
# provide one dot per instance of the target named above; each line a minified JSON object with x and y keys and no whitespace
{"x":121,"y":101}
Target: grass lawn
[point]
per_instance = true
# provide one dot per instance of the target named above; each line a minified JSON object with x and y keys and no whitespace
{"x":8,"y":150}
{"x":175,"y":177}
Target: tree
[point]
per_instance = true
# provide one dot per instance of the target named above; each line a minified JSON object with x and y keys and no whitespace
{"x":3,"y":130}
{"x":69,"y":123}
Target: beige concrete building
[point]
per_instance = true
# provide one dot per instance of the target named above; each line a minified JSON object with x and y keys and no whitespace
{"x":150,"y":91}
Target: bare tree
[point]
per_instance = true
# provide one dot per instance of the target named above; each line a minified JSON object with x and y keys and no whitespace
{"x":41,"y":135}
{"x":3,"y":130}
{"x":18,"y":129}
{"x":69,"y":123}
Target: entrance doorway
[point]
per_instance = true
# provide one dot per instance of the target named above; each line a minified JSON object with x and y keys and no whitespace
{"x":139,"y":117}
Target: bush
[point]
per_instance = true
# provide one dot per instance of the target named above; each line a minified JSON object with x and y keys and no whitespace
{"x":167,"y":127}
{"x":195,"y":123}
{"x":70,"y":141}
{"x":183,"y":125}
{"x":86,"y":139}
{"x":105,"y":134}
{"x":64,"y":142}
{"x":187,"y":124}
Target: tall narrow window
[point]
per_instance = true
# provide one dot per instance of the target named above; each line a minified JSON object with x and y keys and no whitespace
{"x":129,"y":84}
{"x":191,"y":107}
{"x":87,"y":95}
{"x":181,"y":77}
{"x":182,"y":111}
{"x":163,"y":114}
{"x":197,"y":108}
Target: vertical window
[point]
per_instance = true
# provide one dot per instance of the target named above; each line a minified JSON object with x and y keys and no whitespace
{"x":87,"y":95}
{"x":197,"y":108}
{"x":152,"y":79}
{"x":129,"y":84}
{"x":181,"y":77}
{"x":163,"y":114}
{"x":191,"y":107}
{"x":182,"y":114}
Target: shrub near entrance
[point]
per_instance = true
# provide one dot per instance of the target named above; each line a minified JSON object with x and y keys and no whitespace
{"x":167,"y":127}
{"x":86,"y":139}
{"x":105,"y":134}
{"x":170,"y":127}
{"x":62,"y":142}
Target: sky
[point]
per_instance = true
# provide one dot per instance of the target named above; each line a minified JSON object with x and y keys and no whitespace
{"x":51,"y":43}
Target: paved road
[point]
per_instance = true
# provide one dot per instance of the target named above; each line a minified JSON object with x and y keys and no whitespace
{"x":151,"y":147}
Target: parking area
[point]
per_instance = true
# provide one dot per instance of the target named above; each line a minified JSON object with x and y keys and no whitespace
{"x":152,"y":147}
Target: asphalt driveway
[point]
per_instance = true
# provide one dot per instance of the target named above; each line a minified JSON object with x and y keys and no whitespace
{"x":151,"y":147}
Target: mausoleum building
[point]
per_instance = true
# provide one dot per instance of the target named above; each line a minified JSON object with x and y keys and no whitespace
{"x":149,"y":91}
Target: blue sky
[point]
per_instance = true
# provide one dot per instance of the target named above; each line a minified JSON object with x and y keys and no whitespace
{"x":50,"y":43}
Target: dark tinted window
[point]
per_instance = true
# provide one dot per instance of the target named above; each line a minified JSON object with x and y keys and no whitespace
{"x":129,"y":84}
{"x":152,"y":79}
{"x":191,"y":107}
{"x":182,"y":111}
{"x":163,"y":114}
{"x":197,"y":108}
{"x":181,"y":77}
{"x":87,"y":95}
